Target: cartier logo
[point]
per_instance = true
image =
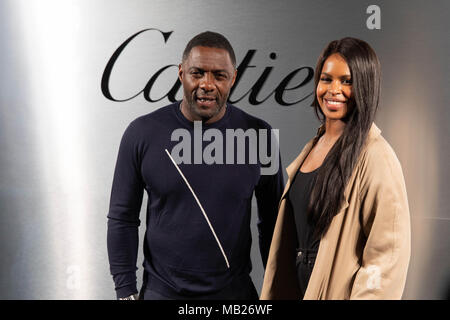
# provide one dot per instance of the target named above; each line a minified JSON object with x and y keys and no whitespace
{"x":295,"y":81}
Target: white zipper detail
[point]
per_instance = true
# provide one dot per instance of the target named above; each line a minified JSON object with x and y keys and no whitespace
{"x":201,"y":208}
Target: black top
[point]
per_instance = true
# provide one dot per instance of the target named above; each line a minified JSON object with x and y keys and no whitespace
{"x":182,"y":257}
{"x":298,"y":196}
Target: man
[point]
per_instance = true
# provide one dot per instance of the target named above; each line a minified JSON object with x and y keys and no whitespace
{"x":198,"y":239}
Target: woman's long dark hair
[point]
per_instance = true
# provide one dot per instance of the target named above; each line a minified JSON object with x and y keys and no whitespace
{"x":327,"y":195}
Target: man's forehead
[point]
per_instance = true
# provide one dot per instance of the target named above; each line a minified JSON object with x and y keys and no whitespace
{"x":206,"y":56}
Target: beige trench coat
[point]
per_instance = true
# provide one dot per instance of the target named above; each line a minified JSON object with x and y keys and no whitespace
{"x":365,"y":252}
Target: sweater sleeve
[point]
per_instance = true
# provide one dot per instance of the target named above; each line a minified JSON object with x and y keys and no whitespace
{"x":386,"y":225}
{"x":123,"y":215}
{"x":268,"y":194}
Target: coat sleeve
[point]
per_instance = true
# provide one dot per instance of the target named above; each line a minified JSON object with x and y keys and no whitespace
{"x":385,"y":222}
{"x":123,"y":215}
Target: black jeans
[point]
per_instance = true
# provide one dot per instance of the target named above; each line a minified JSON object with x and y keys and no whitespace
{"x":305,"y":263}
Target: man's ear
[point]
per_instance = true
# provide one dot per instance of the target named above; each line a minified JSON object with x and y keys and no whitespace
{"x":180,"y":72}
{"x":234,"y":77}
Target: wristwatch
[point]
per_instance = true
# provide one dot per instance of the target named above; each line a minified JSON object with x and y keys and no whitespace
{"x":131,"y":297}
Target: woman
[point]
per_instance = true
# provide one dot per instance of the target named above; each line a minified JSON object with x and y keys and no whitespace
{"x":343,"y":227}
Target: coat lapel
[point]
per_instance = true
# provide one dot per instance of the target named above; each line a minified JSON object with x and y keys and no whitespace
{"x":280,"y":269}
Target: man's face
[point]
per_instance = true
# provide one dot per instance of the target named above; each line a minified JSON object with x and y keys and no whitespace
{"x":207,"y":76}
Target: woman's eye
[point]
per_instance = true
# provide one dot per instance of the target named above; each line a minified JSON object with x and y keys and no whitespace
{"x":348,"y":81}
{"x":324,"y":79}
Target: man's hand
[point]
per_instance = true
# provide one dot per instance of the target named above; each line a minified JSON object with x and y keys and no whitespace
{"x":131,"y":297}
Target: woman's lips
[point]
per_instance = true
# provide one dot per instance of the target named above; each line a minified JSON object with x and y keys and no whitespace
{"x":334,"y":105}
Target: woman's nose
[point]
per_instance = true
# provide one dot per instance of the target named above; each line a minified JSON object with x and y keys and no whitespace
{"x":335,"y":87}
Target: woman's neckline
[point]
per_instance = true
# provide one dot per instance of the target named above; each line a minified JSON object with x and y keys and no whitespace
{"x":299,"y":170}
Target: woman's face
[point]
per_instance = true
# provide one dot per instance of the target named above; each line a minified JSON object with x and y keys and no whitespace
{"x":334,"y":90}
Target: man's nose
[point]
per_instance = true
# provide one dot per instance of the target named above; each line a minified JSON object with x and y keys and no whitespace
{"x":207,"y":82}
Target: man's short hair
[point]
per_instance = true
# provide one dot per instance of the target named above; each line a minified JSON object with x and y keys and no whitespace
{"x":212,"y":40}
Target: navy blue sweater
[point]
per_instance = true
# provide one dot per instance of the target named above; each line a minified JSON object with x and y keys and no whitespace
{"x":181,"y":255}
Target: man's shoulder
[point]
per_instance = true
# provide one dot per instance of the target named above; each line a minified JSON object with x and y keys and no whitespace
{"x":162,"y":113}
{"x":251,"y":120}
{"x":149,"y":124}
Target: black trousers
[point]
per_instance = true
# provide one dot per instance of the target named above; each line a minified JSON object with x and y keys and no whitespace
{"x":305,"y":263}
{"x":241,"y":288}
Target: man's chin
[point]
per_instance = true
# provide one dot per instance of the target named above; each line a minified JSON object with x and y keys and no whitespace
{"x":206,"y":114}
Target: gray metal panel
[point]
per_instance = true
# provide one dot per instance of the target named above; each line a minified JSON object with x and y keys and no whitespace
{"x":59,"y":135}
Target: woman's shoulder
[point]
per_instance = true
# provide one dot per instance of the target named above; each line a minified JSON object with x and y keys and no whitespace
{"x":378,"y":156}
{"x":380,"y":173}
